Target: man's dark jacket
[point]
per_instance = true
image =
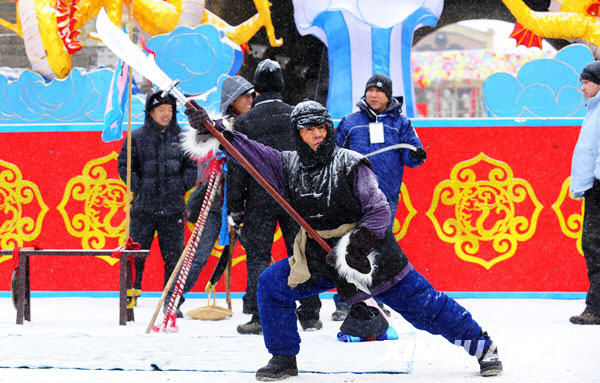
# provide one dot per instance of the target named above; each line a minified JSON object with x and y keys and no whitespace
{"x":268,"y":122}
{"x":160,"y":172}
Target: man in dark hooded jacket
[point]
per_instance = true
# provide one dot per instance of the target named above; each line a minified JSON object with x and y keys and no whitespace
{"x":268,"y":123}
{"x":160,"y":176}
{"x":337,"y":193}
{"x":236,"y":99}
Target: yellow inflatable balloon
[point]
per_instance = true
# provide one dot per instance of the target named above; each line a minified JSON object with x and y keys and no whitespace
{"x":49,"y":28}
{"x":567,"y":19}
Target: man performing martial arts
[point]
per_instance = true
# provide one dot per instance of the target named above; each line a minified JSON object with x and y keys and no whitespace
{"x":336,"y":192}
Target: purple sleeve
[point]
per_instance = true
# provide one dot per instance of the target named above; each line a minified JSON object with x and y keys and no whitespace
{"x":375,"y":209}
{"x":267,"y":161}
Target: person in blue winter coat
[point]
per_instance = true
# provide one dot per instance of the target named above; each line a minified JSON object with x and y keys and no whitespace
{"x":337,"y":193}
{"x":377,"y":125}
{"x":372,"y":131}
{"x":585,"y":182}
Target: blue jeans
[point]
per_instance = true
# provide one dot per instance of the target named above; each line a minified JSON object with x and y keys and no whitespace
{"x":413,"y":297}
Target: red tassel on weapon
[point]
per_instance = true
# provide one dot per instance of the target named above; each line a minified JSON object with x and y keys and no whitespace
{"x":185,"y":262}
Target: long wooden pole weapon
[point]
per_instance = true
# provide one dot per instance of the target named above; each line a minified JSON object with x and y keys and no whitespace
{"x":120,"y":45}
{"x":128,"y":178}
{"x":261,"y":180}
{"x":185,"y":260}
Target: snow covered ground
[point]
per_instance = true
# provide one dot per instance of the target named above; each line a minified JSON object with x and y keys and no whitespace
{"x":79,"y":340}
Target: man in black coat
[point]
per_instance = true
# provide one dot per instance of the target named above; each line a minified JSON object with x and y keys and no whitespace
{"x":268,"y":123}
{"x":160,"y":176}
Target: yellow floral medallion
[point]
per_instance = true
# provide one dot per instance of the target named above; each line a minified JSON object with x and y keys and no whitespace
{"x":22,"y":209}
{"x":400,"y":228}
{"x":93,"y":205}
{"x":495,"y":209}
{"x":570,"y":226}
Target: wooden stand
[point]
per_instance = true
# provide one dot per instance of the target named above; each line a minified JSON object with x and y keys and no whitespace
{"x":24,"y":291}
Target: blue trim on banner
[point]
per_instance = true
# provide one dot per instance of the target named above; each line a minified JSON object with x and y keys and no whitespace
{"x":327,"y":295}
{"x":516,"y":123}
{"x":516,"y":295}
{"x":52,"y":127}
{"x":57,"y":127}
{"x":380,"y":54}
{"x":420,"y":16}
{"x":339,"y":97}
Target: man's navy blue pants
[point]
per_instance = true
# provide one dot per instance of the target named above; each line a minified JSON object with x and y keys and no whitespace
{"x":413,"y":297}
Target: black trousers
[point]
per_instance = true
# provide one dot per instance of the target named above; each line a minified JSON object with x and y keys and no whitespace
{"x":257,"y":238}
{"x":170,"y":231}
{"x":590,"y":242}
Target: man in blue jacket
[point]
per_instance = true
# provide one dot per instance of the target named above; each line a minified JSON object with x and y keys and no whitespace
{"x":585,"y":182}
{"x":377,"y":125}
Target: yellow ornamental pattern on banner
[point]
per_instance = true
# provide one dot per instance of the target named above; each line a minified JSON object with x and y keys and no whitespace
{"x":22,"y":209}
{"x":400,"y":228}
{"x":496,"y":209}
{"x":571,"y":225}
{"x":93,"y":205}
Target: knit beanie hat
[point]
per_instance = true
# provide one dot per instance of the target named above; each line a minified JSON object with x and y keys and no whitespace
{"x":268,"y":77}
{"x":310,"y":113}
{"x":381,"y":81}
{"x":156,"y":99}
{"x":591,"y":72}
{"x":305,"y":115}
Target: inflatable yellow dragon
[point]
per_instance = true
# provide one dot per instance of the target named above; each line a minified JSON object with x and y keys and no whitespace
{"x":567,"y":19}
{"x":49,"y":28}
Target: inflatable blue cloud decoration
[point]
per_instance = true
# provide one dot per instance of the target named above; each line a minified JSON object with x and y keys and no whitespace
{"x":198,"y":57}
{"x":542,"y":88}
{"x":74,"y":103}
{"x":212,"y":101}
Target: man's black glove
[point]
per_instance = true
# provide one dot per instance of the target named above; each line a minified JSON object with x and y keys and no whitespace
{"x":197,"y":116}
{"x":236,"y":219}
{"x":360,"y":245}
{"x":420,"y":154}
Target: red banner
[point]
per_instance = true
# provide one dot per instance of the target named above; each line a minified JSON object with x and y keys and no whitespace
{"x":488,"y":211}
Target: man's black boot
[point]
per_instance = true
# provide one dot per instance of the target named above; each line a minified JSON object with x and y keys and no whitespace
{"x":278,"y":368}
{"x":252,"y":327}
{"x":311,"y":324}
{"x":489,"y":362}
{"x":340,"y":313}
{"x":586,"y":317}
